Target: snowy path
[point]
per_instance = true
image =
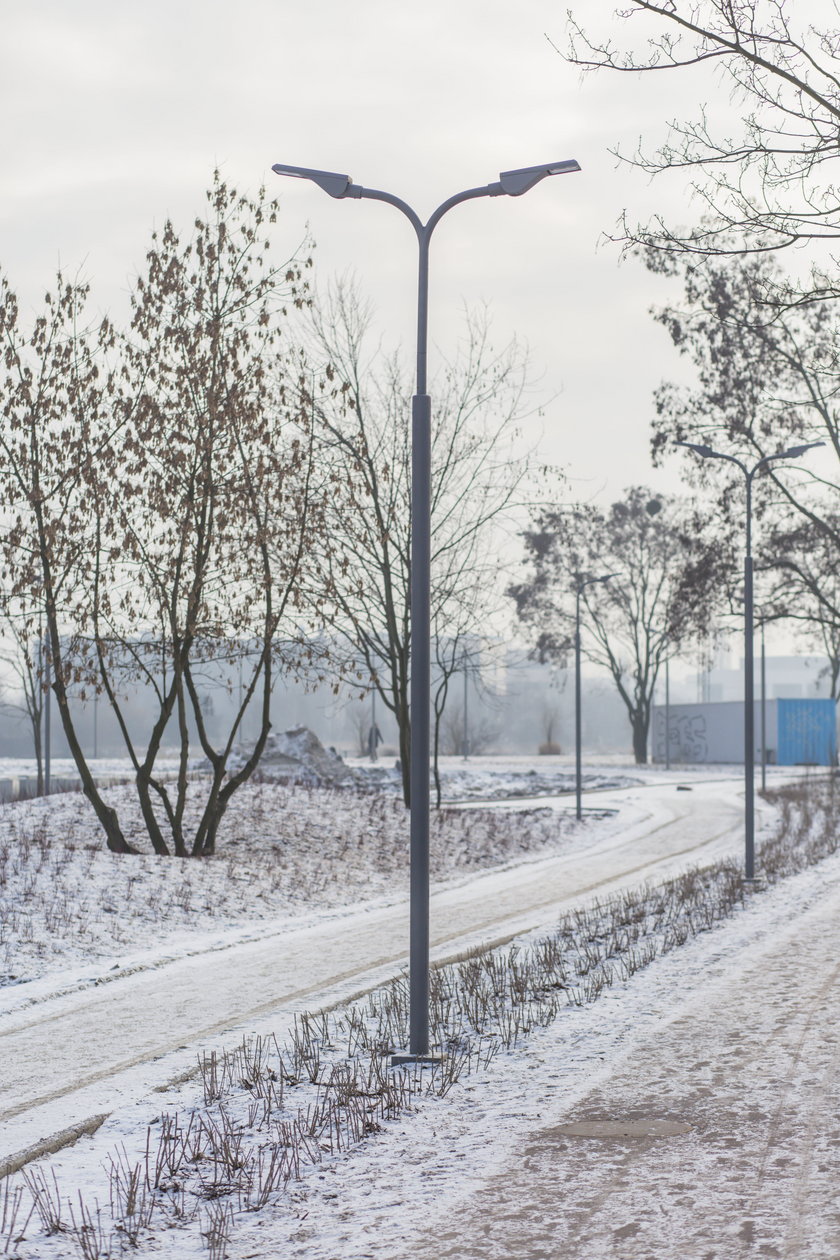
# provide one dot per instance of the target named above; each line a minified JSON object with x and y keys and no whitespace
{"x":68,"y":1057}
{"x":748,"y":1063}
{"x":717,"y":1069}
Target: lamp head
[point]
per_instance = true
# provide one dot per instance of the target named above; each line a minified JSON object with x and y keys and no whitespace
{"x":699,"y":449}
{"x":581,"y":581}
{"x":793,"y":452}
{"x":332,"y":183}
{"x":515,"y":183}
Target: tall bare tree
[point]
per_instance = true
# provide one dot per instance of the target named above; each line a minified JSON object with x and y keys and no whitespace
{"x":661,"y":598}
{"x":160,"y":490}
{"x":769,"y":184}
{"x":25,"y":655}
{"x":458,"y":649}
{"x":765,"y":379}
{"x":479,"y":477}
{"x":54,"y":420}
{"x":802,"y":582}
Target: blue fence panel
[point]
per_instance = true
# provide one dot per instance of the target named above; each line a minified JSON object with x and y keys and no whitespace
{"x":807,"y":732}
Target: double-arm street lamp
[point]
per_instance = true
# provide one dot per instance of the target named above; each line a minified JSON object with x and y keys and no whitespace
{"x":580,"y":585}
{"x":667,"y":713}
{"x":511,"y":184}
{"x":793,"y":452}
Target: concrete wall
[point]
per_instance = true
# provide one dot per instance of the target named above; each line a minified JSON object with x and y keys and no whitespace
{"x":797,"y":732}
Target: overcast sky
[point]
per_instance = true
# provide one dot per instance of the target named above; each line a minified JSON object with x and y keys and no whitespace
{"x":115,"y":114}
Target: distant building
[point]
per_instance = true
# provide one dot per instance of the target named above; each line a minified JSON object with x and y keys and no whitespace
{"x":798,"y":732}
{"x":788,"y":677}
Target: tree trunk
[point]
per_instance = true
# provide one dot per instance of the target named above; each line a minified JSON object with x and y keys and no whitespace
{"x":640,"y":738}
{"x":107,"y":816}
{"x":208,"y":847}
{"x":438,"y":711}
{"x":405,"y":757}
{"x":39,"y":752}
{"x":143,"y":783}
{"x":435,"y":762}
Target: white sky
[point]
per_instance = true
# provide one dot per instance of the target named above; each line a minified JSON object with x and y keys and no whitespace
{"x":115,"y":114}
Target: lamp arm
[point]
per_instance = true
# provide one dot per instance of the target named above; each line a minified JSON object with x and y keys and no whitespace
{"x":375,"y":194}
{"x":734,"y":460}
{"x":766,"y":460}
{"x":469,"y":194}
{"x":423,"y":233}
{"x":592,"y":581}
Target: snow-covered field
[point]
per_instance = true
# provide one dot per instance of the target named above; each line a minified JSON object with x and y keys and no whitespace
{"x":452,"y":1156}
{"x":479,"y":778}
{"x":495,"y":778}
{"x":733,"y":1039}
{"x":65,"y":901}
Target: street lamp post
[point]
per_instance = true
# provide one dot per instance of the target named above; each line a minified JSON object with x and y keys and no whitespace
{"x":763,"y":713}
{"x":792,"y":452}
{"x":659,"y":651}
{"x":373,"y":732}
{"x":580,"y":586}
{"x":48,"y":718}
{"x":667,"y":716}
{"x":511,"y":184}
{"x":466,"y":734}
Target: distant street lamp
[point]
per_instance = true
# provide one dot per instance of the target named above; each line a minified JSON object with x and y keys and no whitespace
{"x":763,"y":713}
{"x":793,"y":452}
{"x":45,"y":651}
{"x":662,"y":643}
{"x":373,"y":736}
{"x":667,"y":716}
{"x":580,"y":586}
{"x":511,"y":184}
{"x":466,"y":734}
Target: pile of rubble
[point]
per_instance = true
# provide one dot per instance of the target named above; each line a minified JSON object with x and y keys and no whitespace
{"x":298,"y":756}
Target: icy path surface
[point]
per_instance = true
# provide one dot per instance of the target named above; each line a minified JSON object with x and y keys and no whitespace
{"x":748,"y":1061}
{"x":732,"y":1041}
{"x":70,"y":1056}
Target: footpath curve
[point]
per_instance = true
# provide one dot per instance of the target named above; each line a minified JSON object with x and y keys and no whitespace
{"x":68,"y":1058}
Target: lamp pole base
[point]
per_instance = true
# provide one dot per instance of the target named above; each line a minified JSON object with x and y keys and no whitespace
{"x":406,"y":1059}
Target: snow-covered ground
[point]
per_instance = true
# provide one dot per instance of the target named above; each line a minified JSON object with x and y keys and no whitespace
{"x":65,"y":901}
{"x":65,"y":767}
{"x":494,"y":778}
{"x":732,"y":1040}
{"x":114,"y":1009}
{"x":389,"y":1195}
{"x":478,"y":778}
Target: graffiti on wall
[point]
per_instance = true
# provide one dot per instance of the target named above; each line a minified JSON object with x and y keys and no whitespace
{"x":687,"y":738}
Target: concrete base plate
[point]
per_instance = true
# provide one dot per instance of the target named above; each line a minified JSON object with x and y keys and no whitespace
{"x":404,"y":1059}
